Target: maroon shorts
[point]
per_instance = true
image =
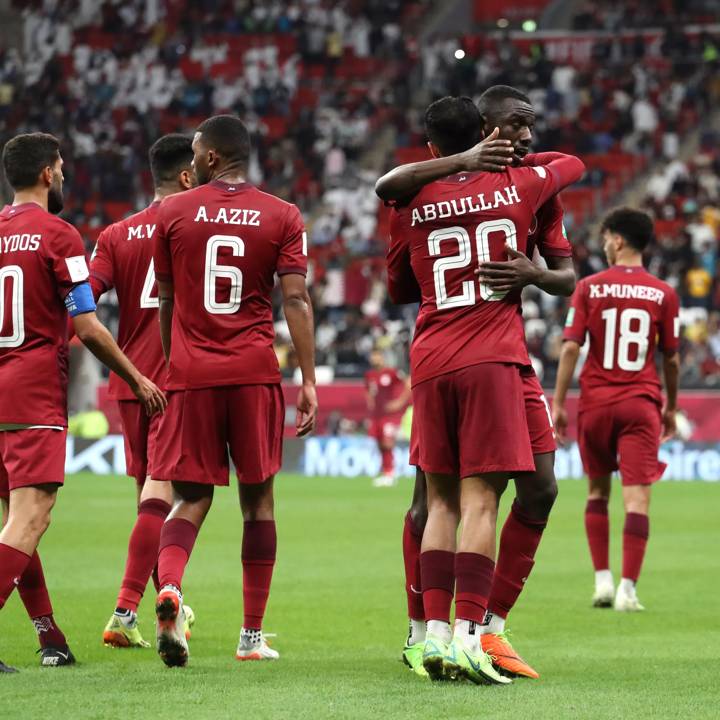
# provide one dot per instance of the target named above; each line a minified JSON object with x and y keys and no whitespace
{"x":537,"y":410}
{"x":472,"y":421}
{"x":140,"y":434}
{"x":622,"y":436}
{"x":200,"y":425}
{"x":384,"y":429}
{"x":35,"y":456}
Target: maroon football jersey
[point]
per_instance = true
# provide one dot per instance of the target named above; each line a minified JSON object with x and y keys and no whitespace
{"x":221,"y":245}
{"x":384,"y":386}
{"x":41,"y":259}
{"x":451,"y":226}
{"x":123,"y":259}
{"x":626,"y":312}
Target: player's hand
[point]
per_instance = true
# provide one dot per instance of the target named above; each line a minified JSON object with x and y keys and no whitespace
{"x":512,"y":274}
{"x":307,"y":406}
{"x":150,"y":395}
{"x":560,"y":423}
{"x":669,"y":425}
{"x":489,"y":155}
{"x":394,"y":406}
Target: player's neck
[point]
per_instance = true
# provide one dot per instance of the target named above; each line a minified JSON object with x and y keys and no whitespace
{"x":31,"y":195}
{"x":634,"y":260}
{"x":233,"y":175}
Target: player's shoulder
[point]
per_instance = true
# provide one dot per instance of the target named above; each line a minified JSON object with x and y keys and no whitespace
{"x":120,"y":227}
{"x":59,"y":230}
{"x":273,"y":202}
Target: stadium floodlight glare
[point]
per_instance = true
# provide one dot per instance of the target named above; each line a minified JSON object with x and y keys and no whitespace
{"x":529,"y":26}
{"x":459,"y":54}
{"x":503,"y":22}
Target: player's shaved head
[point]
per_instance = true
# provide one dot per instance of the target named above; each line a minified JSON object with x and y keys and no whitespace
{"x":453,"y":124}
{"x":24,"y":157}
{"x":493,"y":96}
{"x":634,"y":226}
{"x":221,"y":142}
{"x":169,"y":156}
{"x":510,"y":110}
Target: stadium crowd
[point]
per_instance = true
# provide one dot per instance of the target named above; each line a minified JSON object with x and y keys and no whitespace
{"x":318,"y":83}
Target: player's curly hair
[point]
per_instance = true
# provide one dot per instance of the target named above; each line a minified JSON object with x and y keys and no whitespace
{"x":169,"y":156}
{"x":635,"y":226}
{"x":24,"y":157}
{"x":453,"y":124}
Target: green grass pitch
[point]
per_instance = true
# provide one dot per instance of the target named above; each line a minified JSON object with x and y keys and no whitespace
{"x":338,"y":609}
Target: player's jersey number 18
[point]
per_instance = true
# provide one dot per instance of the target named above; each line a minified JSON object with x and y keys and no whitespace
{"x":634,"y":333}
{"x":15,"y":334}
{"x":459,"y":234}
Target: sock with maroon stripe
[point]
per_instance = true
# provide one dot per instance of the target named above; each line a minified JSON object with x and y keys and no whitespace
{"x":34,"y":594}
{"x":635,"y":537}
{"x":177,"y":539}
{"x":437,"y":569}
{"x":13,"y":563}
{"x":388,"y":461}
{"x":259,"y":547}
{"x":519,"y":542}
{"x":597,"y":527}
{"x":412,"y":538}
{"x":142,"y":552}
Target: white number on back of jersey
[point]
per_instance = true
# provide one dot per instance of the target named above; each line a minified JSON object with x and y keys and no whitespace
{"x":14,"y":275}
{"x":214,"y":272}
{"x":147,"y":299}
{"x":639,"y":337}
{"x":464,"y":258}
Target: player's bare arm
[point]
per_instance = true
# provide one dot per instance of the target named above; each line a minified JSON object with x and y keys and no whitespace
{"x":402,"y":400}
{"x":299,"y":315}
{"x":671,"y":373}
{"x":519,"y":270}
{"x":566,"y":369}
{"x":489,"y":155}
{"x":97,"y":338}
{"x":166,"y":296}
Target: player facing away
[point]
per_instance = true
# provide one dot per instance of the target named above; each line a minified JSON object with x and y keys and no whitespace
{"x":218,"y":248}
{"x":625,"y":313}
{"x":43,"y":278}
{"x":123,"y":259}
{"x":387,"y":394}
{"x":510,"y":111}
{"x":465,"y":368}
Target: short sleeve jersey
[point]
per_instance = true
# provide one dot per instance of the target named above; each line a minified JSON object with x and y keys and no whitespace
{"x":41,"y":259}
{"x":384,"y":386}
{"x":548,"y":231}
{"x":626,"y":313}
{"x":221,"y":245}
{"x":451,"y":226}
{"x":123,"y":259}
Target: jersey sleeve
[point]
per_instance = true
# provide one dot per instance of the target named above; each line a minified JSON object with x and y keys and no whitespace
{"x":101,"y":264}
{"x":576,"y":321}
{"x":540,"y":182}
{"x":669,"y":340}
{"x":402,"y":284}
{"x":162,"y":258}
{"x":67,"y":257}
{"x":293,"y":250}
{"x":552,"y":239}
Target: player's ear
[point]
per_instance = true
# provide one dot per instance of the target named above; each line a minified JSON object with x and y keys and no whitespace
{"x":46,"y":175}
{"x":186,"y":179}
{"x":434,"y":150}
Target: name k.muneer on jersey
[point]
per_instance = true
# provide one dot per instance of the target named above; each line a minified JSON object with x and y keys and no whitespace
{"x":230,"y":216}
{"x":623,"y":291}
{"x":468,"y":204}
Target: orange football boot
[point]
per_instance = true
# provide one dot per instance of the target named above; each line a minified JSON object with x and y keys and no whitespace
{"x":504,"y":656}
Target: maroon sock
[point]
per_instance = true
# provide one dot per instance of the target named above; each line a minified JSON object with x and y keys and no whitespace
{"x":259,"y":547}
{"x":12,"y":566}
{"x":519,"y":542}
{"x":388,"y":461}
{"x":412,"y":537}
{"x":474,"y":573}
{"x":34,"y":594}
{"x":142,"y":552}
{"x":177,"y":538}
{"x":597,"y":527}
{"x":437,"y":569}
{"x":156,"y":578}
{"x":635,"y":537}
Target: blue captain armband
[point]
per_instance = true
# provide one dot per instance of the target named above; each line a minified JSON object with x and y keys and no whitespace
{"x":80,"y":300}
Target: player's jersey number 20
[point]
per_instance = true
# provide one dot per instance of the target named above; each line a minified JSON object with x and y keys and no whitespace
{"x":14,"y":335}
{"x":460,"y":235}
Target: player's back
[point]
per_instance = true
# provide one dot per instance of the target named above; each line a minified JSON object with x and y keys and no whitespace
{"x":41,"y":258}
{"x":453,"y":225}
{"x":384,"y":385}
{"x":627,"y":312}
{"x":123,"y":259}
{"x":221,"y":245}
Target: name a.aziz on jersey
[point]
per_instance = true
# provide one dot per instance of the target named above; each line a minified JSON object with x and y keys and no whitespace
{"x":626,"y":292}
{"x":13,"y":243}
{"x":230,"y":216}
{"x":463,"y":206}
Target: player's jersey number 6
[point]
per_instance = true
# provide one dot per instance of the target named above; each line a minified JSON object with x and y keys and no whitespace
{"x":214,"y":272}
{"x":14,"y":275}
{"x":467,"y":296}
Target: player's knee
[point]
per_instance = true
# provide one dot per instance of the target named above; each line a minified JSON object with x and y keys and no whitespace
{"x":257,"y":502}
